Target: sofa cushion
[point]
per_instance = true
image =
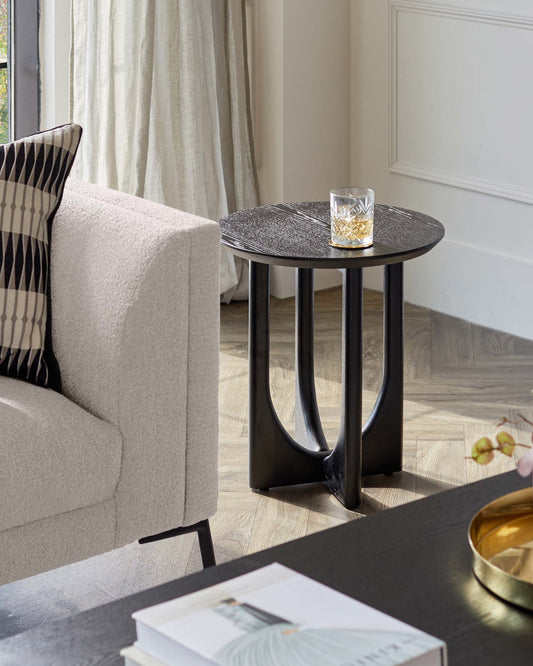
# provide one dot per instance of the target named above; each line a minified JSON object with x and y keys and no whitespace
{"x":33,"y":172}
{"x":55,"y":456}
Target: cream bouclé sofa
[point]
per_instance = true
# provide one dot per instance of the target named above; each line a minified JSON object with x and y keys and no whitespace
{"x":129,"y":449}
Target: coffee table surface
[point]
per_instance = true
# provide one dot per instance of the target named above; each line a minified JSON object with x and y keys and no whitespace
{"x":298,"y":234}
{"x":412,"y":562}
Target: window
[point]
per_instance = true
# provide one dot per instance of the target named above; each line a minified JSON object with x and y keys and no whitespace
{"x":19,"y":68}
{"x":4,"y":94}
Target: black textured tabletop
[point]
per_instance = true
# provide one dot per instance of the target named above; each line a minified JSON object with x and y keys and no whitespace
{"x":298,"y":234}
{"x":412,"y":562}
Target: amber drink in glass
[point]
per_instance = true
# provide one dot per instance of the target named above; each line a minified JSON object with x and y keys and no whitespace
{"x":352,"y":217}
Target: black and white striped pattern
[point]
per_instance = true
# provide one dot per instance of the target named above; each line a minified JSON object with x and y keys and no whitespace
{"x":33,"y":172}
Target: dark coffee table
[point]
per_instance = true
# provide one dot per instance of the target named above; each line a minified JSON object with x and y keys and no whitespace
{"x":298,"y":235}
{"x":412,"y":562}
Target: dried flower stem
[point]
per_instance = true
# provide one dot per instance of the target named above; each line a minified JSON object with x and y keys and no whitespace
{"x":521,"y":417}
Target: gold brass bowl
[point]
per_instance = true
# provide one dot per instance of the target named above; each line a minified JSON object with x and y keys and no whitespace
{"x":501,"y":539}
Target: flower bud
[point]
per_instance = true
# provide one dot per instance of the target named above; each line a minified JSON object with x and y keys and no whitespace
{"x":506,"y":443}
{"x":483,"y":451}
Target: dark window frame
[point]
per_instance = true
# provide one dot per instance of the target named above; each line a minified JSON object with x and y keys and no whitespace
{"x":23,"y":70}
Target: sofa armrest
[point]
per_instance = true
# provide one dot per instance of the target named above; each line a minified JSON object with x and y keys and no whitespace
{"x":135,"y":324}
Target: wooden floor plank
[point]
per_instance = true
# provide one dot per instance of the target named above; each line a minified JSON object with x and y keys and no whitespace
{"x":281,"y":515}
{"x":418,"y":347}
{"x":490,"y":346}
{"x":452,"y":342}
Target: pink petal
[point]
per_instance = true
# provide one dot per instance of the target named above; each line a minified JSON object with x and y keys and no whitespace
{"x":525,"y":464}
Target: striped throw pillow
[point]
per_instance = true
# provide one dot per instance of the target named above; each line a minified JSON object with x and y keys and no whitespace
{"x":33,"y":172}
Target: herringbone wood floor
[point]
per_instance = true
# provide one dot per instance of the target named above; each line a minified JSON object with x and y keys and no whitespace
{"x":460,"y":380}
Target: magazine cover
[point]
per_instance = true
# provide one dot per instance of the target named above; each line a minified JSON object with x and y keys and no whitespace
{"x":276,"y":616}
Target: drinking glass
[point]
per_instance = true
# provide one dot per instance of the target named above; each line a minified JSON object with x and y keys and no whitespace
{"x":352,"y":217}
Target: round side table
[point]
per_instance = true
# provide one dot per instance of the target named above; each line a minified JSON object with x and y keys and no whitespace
{"x":298,"y":235}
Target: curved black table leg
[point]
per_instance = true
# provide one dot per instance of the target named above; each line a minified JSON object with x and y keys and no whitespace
{"x":309,"y":431}
{"x":276,"y":459}
{"x":343,"y":466}
{"x":382,"y":435}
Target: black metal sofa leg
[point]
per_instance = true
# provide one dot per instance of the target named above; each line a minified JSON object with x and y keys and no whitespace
{"x":206,"y":544}
{"x":204,"y":537}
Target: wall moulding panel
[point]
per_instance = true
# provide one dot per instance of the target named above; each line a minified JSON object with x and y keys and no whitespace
{"x":460,"y":113}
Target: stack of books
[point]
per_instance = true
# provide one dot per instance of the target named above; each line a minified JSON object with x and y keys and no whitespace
{"x":275,"y":617}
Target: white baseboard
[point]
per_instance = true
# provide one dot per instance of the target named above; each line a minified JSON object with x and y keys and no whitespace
{"x":282,"y":283}
{"x":482,"y":287}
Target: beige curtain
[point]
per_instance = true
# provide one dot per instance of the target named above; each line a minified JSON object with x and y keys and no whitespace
{"x":160,"y":89}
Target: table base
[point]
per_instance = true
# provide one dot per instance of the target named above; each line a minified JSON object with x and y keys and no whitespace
{"x":276,"y":458}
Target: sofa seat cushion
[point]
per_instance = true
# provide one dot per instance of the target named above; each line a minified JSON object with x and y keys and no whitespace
{"x":55,"y":456}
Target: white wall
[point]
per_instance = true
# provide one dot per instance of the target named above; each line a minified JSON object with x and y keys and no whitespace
{"x":441,"y":122}
{"x":301,"y":102}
